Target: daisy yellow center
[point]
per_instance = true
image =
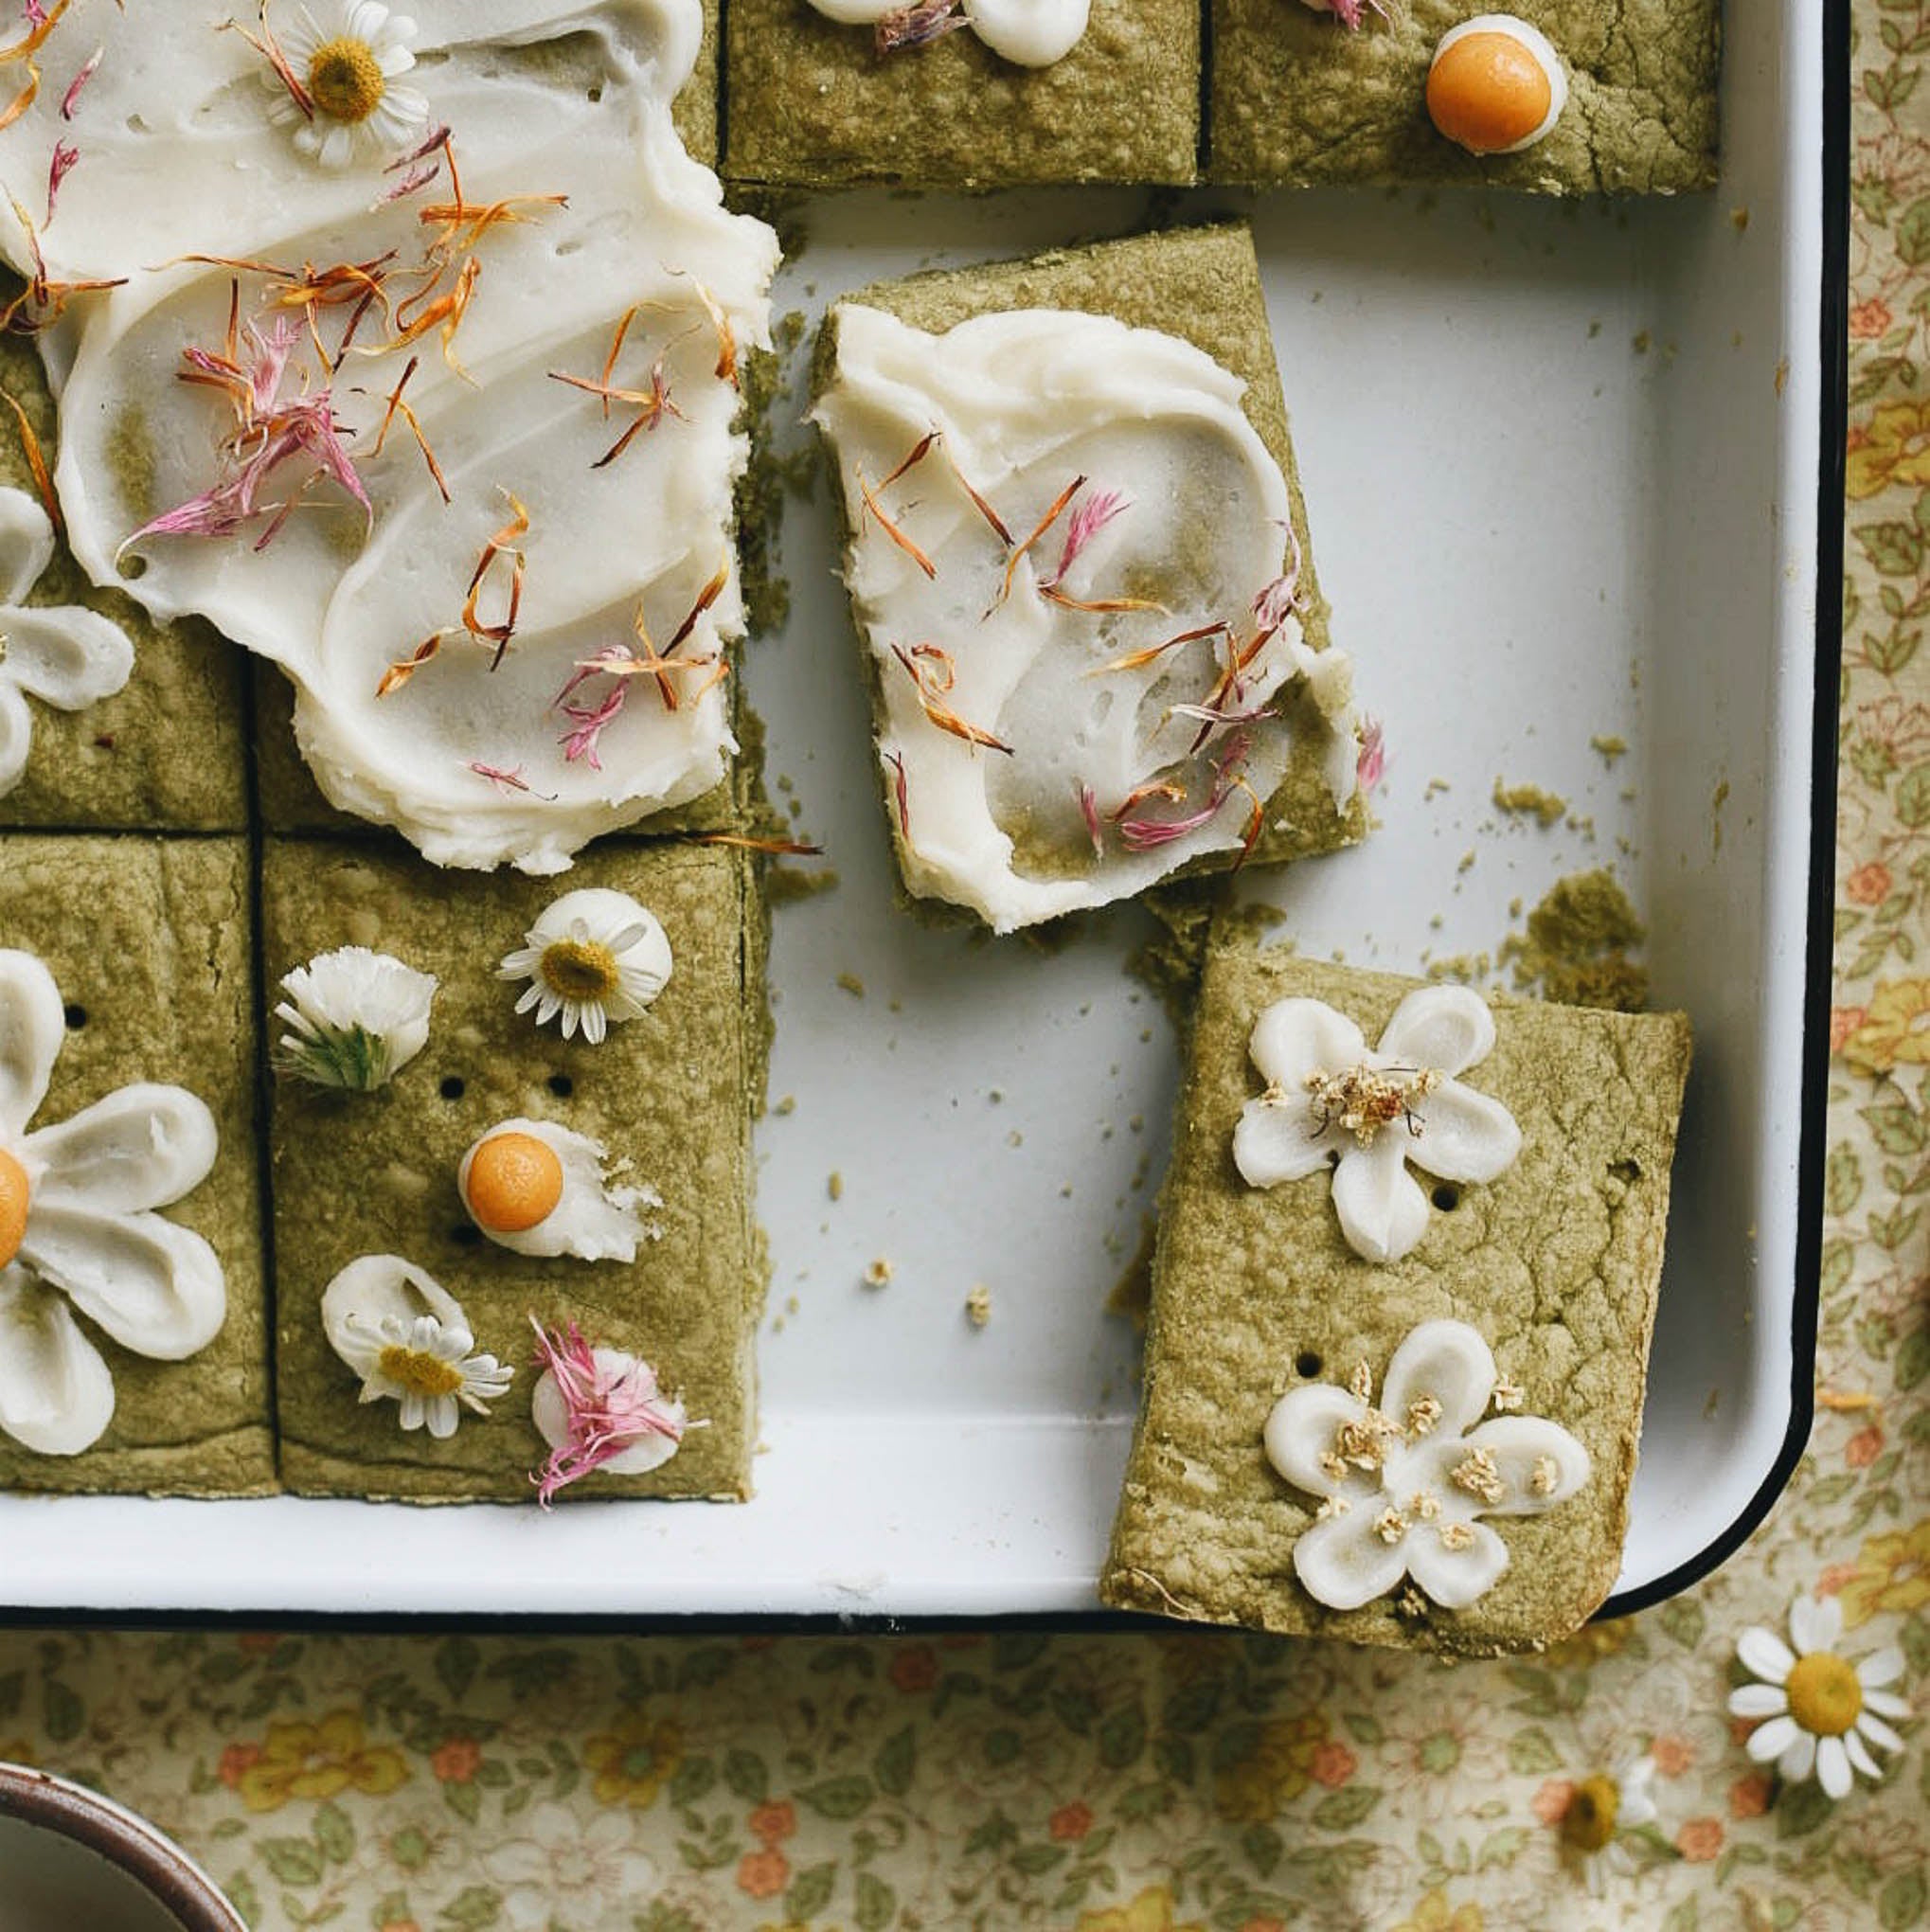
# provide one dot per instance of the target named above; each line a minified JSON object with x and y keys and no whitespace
{"x":346,"y":80}
{"x":419,"y":1371}
{"x":1588,"y":1823}
{"x":12,"y":1206}
{"x":1824,"y":1696}
{"x":580,"y":969}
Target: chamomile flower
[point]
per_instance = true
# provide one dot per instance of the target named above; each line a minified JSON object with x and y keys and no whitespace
{"x":409,"y":1341}
{"x":1601,"y":1808}
{"x":346,"y":64}
{"x":593,"y":956}
{"x":1823,"y":1713}
{"x":354,"y":1019}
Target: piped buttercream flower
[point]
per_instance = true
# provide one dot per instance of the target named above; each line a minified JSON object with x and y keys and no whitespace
{"x":354,"y":1018}
{"x":1601,"y":1808}
{"x":593,"y":956}
{"x":66,"y":656}
{"x":599,"y":1409}
{"x":409,"y":1339}
{"x":1403,"y":1485}
{"x":1328,"y":1098}
{"x":1822,"y":1711}
{"x":345,"y":65}
{"x":79,"y":1231}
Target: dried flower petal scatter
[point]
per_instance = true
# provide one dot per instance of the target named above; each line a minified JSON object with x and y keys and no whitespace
{"x":66,"y":656}
{"x":355,"y":1018}
{"x":1394,"y":1501}
{"x":599,"y":1409}
{"x":1332,"y":1100}
{"x":1029,"y":33}
{"x":79,"y":1233}
{"x":409,"y":1339}
{"x":593,"y":957}
{"x":1821,"y":1712}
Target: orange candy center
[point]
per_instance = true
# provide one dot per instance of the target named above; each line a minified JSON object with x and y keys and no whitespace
{"x":1488,"y":92}
{"x":12,"y":1206}
{"x":514,"y":1181}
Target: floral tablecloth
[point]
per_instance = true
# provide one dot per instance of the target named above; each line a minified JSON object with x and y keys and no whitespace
{"x":1168,"y":1783}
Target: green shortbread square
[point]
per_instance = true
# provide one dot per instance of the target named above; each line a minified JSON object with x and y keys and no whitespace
{"x":1256,"y":1292}
{"x":168,"y":751}
{"x":671,"y":1093}
{"x":813,"y":104}
{"x":1296,"y":98}
{"x":1203,"y":285}
{"x":148,"y":940}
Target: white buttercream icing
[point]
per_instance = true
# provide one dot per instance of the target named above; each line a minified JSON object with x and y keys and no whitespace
{"x":476,"y":759}
{"x":1029,"y":33}
{"x":1404,"y":1483}
{"x":1367,"y":1113}
{"x":1182,"y":510}
{"x":91,"y":1241}
{"x":592,"y":1220}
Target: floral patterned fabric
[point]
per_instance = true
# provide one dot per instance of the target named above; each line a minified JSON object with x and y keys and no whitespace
{"x":1175,"y":1783}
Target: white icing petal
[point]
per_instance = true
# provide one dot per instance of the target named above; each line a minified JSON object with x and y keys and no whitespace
{"x":651,"y":1450}
{"x":26,"y":544}
{"x":377,"y":1288}
{"x":1382,"y":1211}
{"x":1345,"y":1563}
{"x":56,"y":1394}
{"x":1298,"y":1037}
{"x":1301,"y":1430}
{"x":1449,"y":1361}
{"x":153,"y":1285}
{"x":32,"y":1026}
{"x":1446,"y":1027}
{"x":1464,"y":1136}
{"x":1276,"y":1140}
{"x":1521,"y":1447}
{"x":68,"y":655}
{"x":1029,"y":33}
{"x":139,"y":1148}
{"x":592,"y":1221}
{"x":16,"y":736}
{"x":1454,"y":1578}
{"x":1181,"y":500}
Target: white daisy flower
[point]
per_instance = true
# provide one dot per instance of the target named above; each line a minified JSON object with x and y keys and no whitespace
{"x":1823,"y":1713}
{"x":594,"y":957}
{"x":409,"y":1341}
{"x":354,"y":1018}
{"x":347,"y":62}
{"x":1601,"y":1808}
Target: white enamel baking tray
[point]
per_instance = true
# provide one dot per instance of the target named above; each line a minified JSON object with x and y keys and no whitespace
{"x":1563,"y":465}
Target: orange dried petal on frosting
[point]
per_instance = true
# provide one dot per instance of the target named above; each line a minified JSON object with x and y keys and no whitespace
{"x":1489,"y":91}
{"x":12,"y":1206}
{"x":514,"y":1181}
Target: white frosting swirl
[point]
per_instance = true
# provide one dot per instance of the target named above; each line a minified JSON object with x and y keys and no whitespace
{"x":1024,"y":403}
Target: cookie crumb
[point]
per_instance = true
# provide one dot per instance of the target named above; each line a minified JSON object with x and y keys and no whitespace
{"x":834,"y":1187}
{"x":851,"y":984}
{"x":879,"y":1274}
{"x":978,"y":1305}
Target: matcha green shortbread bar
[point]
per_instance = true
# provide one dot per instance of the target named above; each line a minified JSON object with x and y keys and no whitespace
{"x":1118,"y":635}
{"x":1405,"y":1285}
{"x":1297,"y":98}
{"x":146,"y":941}
{"x":669,"y":1095}
{"x":165,"y":748}
{"x":813,"y":105}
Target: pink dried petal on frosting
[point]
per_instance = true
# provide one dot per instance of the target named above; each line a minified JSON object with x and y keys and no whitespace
{"x":1099,"y":508}
{"x":71,"y":99}
{"x":605,"y":1414}
{"x":66,"y":155}
{"x":588,"y":723}
{"x":1089,"y":808}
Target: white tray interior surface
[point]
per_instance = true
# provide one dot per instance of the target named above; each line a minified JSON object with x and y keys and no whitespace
{"x":1562,"y":466}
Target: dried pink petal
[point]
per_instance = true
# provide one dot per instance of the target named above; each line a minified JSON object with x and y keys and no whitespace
{"x":590,"y":721}
{"x":1089,"y":809}
{"x":1099,"y":508}
{"x":70,"y":99}
{"x":918,"y":25}
{"x":65,"y":156}
{"x":1372,"y":763}
{"x":606,"y":1414}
